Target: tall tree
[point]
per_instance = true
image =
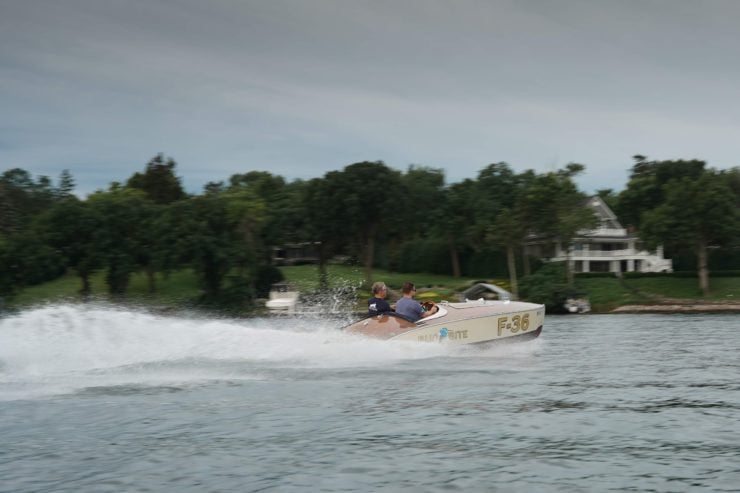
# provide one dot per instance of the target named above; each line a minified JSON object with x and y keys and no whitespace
{"x":416,"y":210}
{"x":158,"y":181}
{"x":509,"y":231}
{"x":454,"y":223}
{"x":645,"y":189}
{"x":420,"y":200}
{"x":282,"y":220}
{"x":124,"y":232}
{"x":21,"y":198}
{"x":369,"y":191}
{"x":66,"y":186}
{"x":495,"y":192}
{"x":212,"y":233}
{"x":557,"y":209}
{"x":697,"y":214}
{"x":325,"y":219}
{"x":513,"y":224}
{"x":72,"y":228}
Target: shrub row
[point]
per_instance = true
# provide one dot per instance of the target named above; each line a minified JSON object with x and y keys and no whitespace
{"x":595,"y":274}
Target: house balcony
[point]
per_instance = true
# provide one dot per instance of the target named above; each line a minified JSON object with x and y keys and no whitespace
{"x":606,"y":232}
{"x":616,"y":261}
{"x":608,"y":254}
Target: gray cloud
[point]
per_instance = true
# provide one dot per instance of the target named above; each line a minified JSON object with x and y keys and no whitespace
{"x":300,"y":88}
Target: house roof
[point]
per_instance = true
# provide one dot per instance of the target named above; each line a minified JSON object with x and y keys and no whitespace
{"x":604,"y":213}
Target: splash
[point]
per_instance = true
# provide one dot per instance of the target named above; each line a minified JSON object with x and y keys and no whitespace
{"x":62,"y":348}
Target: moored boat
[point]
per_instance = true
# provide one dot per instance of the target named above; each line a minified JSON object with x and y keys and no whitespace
{"x":283,"y":299}
{"x":469,"y":322}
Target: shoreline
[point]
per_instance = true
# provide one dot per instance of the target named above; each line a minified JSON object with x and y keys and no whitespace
{"x":686,"y":307}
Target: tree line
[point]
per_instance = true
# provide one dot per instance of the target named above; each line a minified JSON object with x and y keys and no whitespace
{"x":374,"y":215}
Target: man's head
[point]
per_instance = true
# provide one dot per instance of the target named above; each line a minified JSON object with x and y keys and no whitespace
{"x":379,"y":287}
{"x":408,"y":288}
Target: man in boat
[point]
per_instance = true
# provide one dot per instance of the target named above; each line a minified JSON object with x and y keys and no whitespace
{"x":377,"y":304}
{"x":409,"y":307}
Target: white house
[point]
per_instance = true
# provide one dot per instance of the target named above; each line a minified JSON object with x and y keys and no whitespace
{"x":607,"y":248}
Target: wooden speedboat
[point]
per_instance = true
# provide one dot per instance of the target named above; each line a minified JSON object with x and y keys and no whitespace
{"x":469,"y":322}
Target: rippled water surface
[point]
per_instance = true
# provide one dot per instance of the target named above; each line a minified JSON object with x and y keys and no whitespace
{"x":94,"y":399}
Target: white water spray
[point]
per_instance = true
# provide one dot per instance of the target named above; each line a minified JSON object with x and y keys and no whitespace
{"x":64,"y":348}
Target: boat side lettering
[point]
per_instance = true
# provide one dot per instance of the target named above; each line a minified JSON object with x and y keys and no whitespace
{"x":513,"y":324}
{"x":451,"y":334}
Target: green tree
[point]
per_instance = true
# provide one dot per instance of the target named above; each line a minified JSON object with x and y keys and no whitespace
{"x":696,"y":214}
{"x":324,"y":219}
{"x":369,"y":190}
{"x":124,"y":233}
{"x":248,"y":214}
{"x":30,"y":260}
{"x":282,"y":221}
{"x":22,"y":198}
{"x":419,"y":202}
{"x":453,"y":224}
{"x":66,"y":186}
{"x":509,"y":231}
{"x":417,"y":208}
{"x":214,"y":234}
{"x":646,"y":186}
{"x":8,"y":277}
{"x":557,"y":210}
{"x":72,"y":228}
{"x":494,"y":192}
{"x":158,"y":182}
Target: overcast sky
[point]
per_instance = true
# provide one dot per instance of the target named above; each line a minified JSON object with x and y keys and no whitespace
{"x":302,"y":87}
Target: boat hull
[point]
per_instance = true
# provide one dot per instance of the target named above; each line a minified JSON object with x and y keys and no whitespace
{"x":472,"y":322}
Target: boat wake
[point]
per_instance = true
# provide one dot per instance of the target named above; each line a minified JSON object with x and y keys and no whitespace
{"x":68,"y":348}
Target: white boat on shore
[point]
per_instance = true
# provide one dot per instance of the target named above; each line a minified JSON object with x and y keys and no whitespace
{"x":469,"y":322}
{"x":283,"y":299}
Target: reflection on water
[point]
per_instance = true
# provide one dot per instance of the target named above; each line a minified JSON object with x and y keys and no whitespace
{"x":97,"y":399}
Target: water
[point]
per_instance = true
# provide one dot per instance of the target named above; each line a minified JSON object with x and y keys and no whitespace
{"x":94,"y":399}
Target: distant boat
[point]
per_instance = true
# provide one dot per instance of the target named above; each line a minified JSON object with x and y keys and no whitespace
{"x":468,"y":322}
{"x":283,"y":299}
{"x":577,"y":303}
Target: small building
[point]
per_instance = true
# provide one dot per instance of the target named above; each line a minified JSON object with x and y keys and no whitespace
{"x":607,"y":248}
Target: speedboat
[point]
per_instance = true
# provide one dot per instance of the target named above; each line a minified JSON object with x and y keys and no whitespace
{"x":468,"y":322}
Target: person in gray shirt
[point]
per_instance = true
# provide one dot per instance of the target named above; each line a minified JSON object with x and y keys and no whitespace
{"x":409,"y":307}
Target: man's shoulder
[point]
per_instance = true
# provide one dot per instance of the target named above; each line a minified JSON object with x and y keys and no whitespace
{"x":406,"y":302}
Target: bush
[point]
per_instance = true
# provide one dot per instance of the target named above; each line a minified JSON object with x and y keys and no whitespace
{"x":638,"y":275}
{"x":548,"y":286}
{"x":267,"y":275}
{"x":595,"y":274}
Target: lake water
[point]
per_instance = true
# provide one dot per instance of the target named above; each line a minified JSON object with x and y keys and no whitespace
{"x":97,"y":399}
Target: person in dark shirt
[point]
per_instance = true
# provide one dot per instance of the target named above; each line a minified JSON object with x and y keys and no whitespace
{"x":377,"y":304}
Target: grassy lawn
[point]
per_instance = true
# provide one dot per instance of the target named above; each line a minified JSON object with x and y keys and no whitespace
{"x":607,"y":293}
{"x":720,"y":288}
{"x":176,"y":289}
